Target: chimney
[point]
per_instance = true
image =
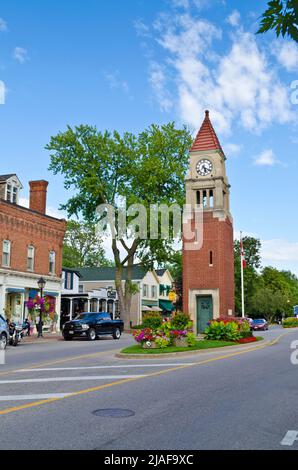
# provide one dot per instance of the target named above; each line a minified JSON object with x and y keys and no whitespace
{"x":38,"y":196}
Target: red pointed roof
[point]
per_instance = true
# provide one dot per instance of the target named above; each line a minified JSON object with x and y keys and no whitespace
{"x":206,"y":138}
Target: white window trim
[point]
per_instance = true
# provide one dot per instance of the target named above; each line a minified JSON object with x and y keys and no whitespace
{"x":52,"y":271}
{"x":6,"y":252}
{"x":31,"y":269}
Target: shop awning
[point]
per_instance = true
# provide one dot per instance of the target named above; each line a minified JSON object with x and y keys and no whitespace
{"x":51,"y":294}
{"x":11,"y":290}
{"x":166,"y":305}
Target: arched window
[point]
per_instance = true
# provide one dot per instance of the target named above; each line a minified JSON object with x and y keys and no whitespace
{"x":211,"y":258}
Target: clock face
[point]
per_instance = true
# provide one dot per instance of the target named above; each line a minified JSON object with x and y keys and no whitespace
{"x":204,"y":167}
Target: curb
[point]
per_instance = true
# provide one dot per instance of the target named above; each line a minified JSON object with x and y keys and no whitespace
{"x":195,"y":351}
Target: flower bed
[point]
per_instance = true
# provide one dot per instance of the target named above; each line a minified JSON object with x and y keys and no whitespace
{"x":176,"y":332}
{"x":228,"y":329}
{"x":252,"y":339}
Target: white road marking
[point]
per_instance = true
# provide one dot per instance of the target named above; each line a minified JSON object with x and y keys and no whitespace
{"x":54,"y":369}
{"x":290,"y":438}
{"x":70,"y":379}
{"x":41,"y":396}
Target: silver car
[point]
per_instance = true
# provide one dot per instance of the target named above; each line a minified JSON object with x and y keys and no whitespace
{"x":4,"y":333}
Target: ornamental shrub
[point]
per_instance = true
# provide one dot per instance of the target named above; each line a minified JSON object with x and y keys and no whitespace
{"x":181,"y":321}
{"x":223,"y":331}
{"x":290,"y":322}
{"x":152,"y":320}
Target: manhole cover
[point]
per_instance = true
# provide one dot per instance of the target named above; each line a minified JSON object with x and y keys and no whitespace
{"x":114,"y":413}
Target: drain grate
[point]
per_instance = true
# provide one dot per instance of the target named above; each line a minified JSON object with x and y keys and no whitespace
{"x":113,"y":413}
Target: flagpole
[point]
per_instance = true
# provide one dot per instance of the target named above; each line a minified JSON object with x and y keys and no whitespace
{"x":242,"y":276}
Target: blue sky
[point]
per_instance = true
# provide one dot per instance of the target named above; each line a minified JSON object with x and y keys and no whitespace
{"x":125,"y":64}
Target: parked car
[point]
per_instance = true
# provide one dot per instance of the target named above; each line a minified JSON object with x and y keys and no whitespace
{"x":260,"y":324}
{"x":91,"y":325}
{"x":4,"y":333}
{"x":249,"y":320}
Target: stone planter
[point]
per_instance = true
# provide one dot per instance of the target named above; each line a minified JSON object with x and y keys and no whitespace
{"x":180,"y":342}
{"x":153,"y":345}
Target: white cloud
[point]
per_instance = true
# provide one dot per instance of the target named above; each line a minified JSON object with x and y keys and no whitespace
{"x":266,"y":158}
{"x":20,"y":54}
{"x":51,"y":211}
{"x":279,"y":250}
{"x":232,"y":149}
{"x":141,"y":28}
{"x":157,"y":80}
{"x":240,"y":86}
{"x":286,"y":53}
{"x":180,"y":3}
{"x":3,"y":25}
{"x":234,"y":18}
{"x":114,"y":80}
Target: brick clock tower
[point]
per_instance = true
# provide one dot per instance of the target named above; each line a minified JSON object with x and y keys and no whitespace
{"x":208,"y":272}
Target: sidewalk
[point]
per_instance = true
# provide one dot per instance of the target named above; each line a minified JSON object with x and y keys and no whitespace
{"x":46,"y":337}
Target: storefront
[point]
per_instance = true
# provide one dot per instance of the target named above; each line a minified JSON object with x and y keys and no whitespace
{"x":17,"y":288}
{"x":101,"y":300}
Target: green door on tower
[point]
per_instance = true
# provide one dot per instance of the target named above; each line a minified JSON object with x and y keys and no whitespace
{"x":204,"y":312}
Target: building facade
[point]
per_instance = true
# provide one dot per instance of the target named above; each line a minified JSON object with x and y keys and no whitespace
{"x":75,"y":300}
{"x":31,"y":247}
{"x":208,"y":272}
{"x":150,"y":296}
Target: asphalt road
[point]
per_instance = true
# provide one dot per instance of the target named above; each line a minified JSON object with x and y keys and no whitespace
{"x":55,"y":395}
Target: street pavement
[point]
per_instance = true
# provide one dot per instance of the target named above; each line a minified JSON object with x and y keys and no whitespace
{"x":78,"y":395}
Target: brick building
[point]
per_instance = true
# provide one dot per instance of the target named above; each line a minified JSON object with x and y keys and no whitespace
{"x":208,"y":271}
{"x":31,"y":247}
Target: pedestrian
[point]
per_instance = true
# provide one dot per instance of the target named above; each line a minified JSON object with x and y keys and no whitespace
{"x":27,"y":326}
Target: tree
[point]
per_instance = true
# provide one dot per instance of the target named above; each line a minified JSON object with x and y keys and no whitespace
{"x":281,"y":16}
{"x":252,"y":248}
{"x":81,"y":246}
{"x":268,"y":303}
{"x":104,"y":168}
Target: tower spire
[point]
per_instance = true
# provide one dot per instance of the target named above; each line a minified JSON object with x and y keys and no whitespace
{"x":206,"y":138}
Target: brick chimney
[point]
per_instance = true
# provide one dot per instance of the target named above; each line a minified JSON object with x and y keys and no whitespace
{"x":38,"y":196}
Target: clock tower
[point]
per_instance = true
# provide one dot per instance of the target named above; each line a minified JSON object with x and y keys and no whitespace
{"x":208,"y":271}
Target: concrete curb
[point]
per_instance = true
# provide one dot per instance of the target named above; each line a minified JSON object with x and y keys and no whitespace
{"x":238,"y":347}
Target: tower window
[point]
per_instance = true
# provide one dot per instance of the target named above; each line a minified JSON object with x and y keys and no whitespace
{"x":211,"y":258}
{"x":198,"y":198}
{"x":204,"y":198}
{"x":211,"y":199}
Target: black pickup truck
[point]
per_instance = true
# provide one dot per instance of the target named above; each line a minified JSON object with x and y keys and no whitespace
{"x":92,"y":325}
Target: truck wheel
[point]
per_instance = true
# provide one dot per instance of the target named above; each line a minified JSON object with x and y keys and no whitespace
{"x":117,"y":333}
{"x":91,"y":334}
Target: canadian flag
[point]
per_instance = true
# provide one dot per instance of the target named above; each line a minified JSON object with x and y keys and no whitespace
{"x":243,"y":260}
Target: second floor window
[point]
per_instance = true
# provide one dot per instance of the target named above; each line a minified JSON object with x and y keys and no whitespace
{"x":52,"y":259}
{"x":145,"y":290}
{"x":30,"y":258}
{"x":6,"y":253}
{"x":68,"y":280}
{"x":153,"y":292}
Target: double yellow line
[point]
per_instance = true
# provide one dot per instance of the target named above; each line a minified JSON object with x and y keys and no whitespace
{"x":123,"y":381}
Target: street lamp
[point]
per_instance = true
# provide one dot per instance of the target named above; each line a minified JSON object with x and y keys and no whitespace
{"x":41,"y":284}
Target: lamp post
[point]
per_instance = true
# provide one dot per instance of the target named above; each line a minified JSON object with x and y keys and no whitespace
{"x":41,"y":284}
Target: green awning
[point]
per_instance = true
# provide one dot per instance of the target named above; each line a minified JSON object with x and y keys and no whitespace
{"x":166,"y":305}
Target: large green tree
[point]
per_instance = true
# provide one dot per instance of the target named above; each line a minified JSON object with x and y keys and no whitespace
{"x":281,"y":16}
{"x":82,"y":247}
{"x":252,"y":249}
{"x":103,"y":168}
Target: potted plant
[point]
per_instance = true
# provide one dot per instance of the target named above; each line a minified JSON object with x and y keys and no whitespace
{"x":179,"y":338}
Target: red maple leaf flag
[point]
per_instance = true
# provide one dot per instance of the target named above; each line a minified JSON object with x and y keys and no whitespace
{"x":243,"y":260}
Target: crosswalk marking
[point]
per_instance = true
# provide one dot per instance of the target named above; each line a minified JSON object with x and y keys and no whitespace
{"x":39,"y":396}
{"x":69,"y":379}
{"x":54,"y":369}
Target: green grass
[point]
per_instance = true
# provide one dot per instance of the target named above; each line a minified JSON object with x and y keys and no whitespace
{"x":204,"y":344}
